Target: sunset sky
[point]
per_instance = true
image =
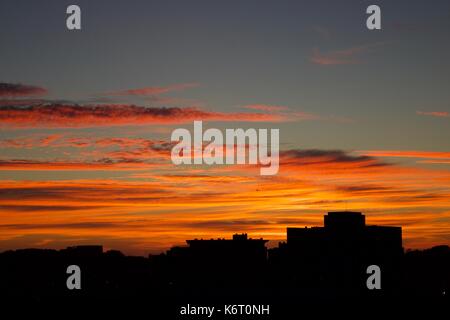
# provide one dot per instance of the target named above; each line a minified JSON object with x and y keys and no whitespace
{"x":86,"y":118}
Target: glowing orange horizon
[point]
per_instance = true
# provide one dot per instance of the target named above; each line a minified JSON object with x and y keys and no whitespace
{"x":165,"y":205}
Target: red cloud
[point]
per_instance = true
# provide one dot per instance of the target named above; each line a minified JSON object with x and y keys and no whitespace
{"x":334,"y":160}
{"x":284,"y":112}
{"x":77,"y":116}
{"x":20,"y":90}
{"x":265,"y":107}
{"x":104,"y":164}
{"x":46,"y":141}
{"x":441,"y":114}
{"x":155,"y":90}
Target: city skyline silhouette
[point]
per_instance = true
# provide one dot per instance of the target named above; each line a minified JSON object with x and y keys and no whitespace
{"x":328,"y":262}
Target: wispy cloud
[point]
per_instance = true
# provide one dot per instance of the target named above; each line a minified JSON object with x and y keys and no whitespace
{"x":323,"y":162}
{"x":172,"y":101}
{"x":345,"y":56}
{"x":440,"y":114}
{"x":151,"y":91}
{"x":20,"y":90}
{"x":20,"y":102}
{"x":407,"y":154}
{"x":265,"y":107}
{"x":431,"y":157}
{"x":435,"y":161}
{"x":285,"y":112}
{"x":104,"y":164}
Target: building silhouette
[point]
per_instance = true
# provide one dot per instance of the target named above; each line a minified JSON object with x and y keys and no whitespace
{"x":346,"y":233}
{"x":84,"y":251}
{"x":238,"y":261}
{"x":336,"y":256}
{"x":240,"y":250}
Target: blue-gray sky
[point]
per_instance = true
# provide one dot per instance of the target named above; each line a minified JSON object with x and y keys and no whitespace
{"x":311,"y":67}
{"x":248,"y":53}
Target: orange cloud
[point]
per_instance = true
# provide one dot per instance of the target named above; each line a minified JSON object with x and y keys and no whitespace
{"x":30,"y":141}
{"x":435,"y":161}
{"x":163,"y":205}
{"x":407,"y":154}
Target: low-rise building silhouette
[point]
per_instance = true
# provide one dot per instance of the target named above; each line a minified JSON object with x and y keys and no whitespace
{"x":221,"y":262}
{"x":84,"y":251}
{"x":240,"y":249}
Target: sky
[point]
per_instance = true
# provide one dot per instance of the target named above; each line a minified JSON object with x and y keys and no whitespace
{"x":86,"y":118}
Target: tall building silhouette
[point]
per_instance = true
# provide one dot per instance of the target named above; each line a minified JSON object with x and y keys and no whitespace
{"x":337,"y":255}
